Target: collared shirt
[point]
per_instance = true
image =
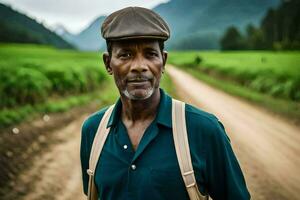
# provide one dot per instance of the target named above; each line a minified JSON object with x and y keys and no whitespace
{"x":152,"y":171}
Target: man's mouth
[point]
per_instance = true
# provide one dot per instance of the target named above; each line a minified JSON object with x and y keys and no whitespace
{"x":138,"y":80}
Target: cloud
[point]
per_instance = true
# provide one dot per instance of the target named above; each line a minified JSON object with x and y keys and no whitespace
{"x":73,"y":14}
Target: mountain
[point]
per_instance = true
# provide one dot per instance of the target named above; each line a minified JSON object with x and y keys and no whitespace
{"x":60,"y":30}
{"x":87,"y":40}
{"x":196,"y":20}
{"x":16,"y":27}
{"x":195,"y":24}
{"x":90,"y":38}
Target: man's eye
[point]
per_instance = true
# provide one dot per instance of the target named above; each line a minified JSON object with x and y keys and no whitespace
{"x":152,"y":54}
{"x":125,"y":55}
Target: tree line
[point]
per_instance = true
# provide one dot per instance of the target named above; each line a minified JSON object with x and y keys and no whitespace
{"x":278,"y":30}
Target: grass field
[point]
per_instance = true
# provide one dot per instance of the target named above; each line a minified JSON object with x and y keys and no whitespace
{"x":37,"y":79}
{"x":274,"y":73}
{"x":271,"y":79}
{"x":31,"y":74}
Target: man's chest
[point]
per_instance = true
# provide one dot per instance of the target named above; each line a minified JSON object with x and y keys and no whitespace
{"x":153,"y":168}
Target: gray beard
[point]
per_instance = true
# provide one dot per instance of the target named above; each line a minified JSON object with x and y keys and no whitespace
{"x":150,"y":91}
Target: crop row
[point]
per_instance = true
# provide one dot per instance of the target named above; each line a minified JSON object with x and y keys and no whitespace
{"x":30,"y":76}
{"x":275,"y":74}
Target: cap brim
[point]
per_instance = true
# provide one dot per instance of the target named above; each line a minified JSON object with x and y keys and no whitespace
{"x":138,"y":37}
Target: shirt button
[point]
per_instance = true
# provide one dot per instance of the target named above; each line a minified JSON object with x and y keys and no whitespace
{"x":125,"y":146}
{"x":133,"y":167}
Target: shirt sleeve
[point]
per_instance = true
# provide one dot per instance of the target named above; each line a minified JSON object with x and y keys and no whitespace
{"x":225,"y":179}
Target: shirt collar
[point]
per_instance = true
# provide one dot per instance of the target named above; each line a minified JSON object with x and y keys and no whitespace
{"x":163,"y":116}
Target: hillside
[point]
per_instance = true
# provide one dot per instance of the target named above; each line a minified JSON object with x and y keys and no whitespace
{"x":18,"y":28}
{"x":199,"y":20}
{"x":194,"y":23}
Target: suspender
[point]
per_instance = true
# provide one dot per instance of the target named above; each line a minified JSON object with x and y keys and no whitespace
{"x":98,"y":144}
{"x":181,"y":147}
{"x":183,"y":150}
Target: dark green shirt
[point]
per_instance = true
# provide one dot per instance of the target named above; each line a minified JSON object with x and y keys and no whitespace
{"x":152,"y":171}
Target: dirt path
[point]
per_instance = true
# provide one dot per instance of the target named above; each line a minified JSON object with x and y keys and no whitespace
{"x":56,"y":173}
{"x":267,"y":147}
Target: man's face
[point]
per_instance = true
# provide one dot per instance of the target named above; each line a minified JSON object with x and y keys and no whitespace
{"x":137,"y":66}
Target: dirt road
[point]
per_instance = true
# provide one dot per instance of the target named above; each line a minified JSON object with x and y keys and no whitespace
{"x":55,"y":175}
{"x":267,"y":147}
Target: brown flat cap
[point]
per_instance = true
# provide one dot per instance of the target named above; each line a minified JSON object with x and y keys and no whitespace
{"x":134,"y":22}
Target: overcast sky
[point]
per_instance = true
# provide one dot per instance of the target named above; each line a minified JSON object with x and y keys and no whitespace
{"x":75,"y":15}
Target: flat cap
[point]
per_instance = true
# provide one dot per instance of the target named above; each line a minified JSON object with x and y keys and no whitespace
{"x":134,"y":22}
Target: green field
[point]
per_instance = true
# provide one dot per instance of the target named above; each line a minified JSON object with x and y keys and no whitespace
{"x":37,"y":79}
{"x":274,"y":73}
{"x":42,"y":79}
{"x":271,"y":79}
{"x":31,"y":74}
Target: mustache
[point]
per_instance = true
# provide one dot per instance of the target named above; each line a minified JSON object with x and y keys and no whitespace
{"x":138,"y":78}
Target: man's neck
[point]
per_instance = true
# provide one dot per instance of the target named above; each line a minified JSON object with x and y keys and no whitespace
{"x":140,"y":110}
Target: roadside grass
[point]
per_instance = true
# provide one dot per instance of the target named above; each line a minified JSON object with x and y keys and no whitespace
{"x":274,"y":73}
{"x":167,"y":84}
{"x":12,"y":116}
{"x":283,"y":107}
{"x":285,"y":64}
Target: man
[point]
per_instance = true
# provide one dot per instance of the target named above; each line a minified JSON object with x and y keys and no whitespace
{"x":138,"y":160}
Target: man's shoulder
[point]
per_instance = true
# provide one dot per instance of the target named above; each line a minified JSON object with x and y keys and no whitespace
{"x":198,"y":115}
{"x":200,"y":121}
{"x":91,"y":123}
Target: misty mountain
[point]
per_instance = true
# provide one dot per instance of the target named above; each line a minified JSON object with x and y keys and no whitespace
{"x":203,"y":22}
{"x":195,"y":24}
{"x":16,"y":27}
{"x":88,"y":39}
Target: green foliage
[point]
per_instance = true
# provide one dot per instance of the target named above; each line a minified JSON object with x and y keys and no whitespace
{"x":22,"y":86}
{"x":11,"y":116}
{"x":232,"y":40}
{"x":281,"y":26}
{"x":32,"y":74}
{"x":255,"y":38}
{"x":272,"y":73}
{"x":198,"y":60}
{"x":279,"y":30}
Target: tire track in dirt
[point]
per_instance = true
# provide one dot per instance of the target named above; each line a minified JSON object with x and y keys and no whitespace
{"x":267,"y":146}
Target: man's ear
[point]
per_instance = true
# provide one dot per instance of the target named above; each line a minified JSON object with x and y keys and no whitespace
{"x":106,"y":61}
{"x":164,"y":57}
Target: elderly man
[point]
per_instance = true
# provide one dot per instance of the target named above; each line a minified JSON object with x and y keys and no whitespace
{"x":139,"y":158}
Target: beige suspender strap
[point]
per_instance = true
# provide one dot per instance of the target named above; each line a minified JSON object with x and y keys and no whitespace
{"x":181,"y":147}
{"x":183,"y":150}
{"x":97,"y":146}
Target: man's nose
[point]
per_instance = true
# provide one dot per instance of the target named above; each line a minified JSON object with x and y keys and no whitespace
{"x":139,"y":65}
